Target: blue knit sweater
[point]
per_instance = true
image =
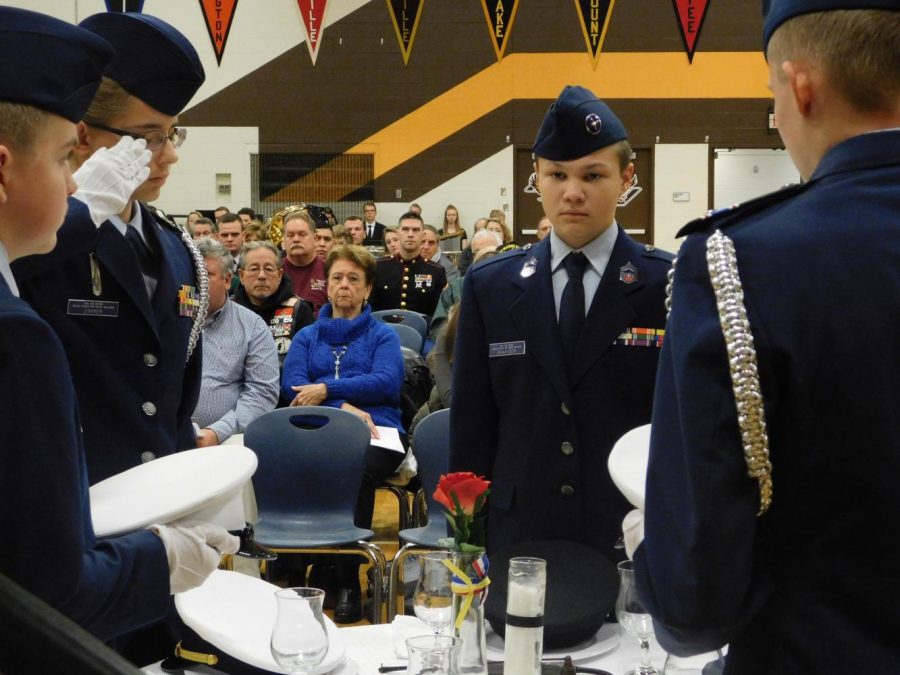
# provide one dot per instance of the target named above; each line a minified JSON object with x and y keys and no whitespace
{"x":371,"y":373}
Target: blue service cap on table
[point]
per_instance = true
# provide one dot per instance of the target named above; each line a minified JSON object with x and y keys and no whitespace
{"x":154,"y":62}
{"x":776,"y":12}
{"x":48,"y":63}
{"x":582,"y":585}
{"x":577,"y":124}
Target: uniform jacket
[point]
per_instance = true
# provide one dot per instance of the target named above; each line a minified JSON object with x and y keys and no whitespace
{"x":109,"y":587}
{"x":283,"y":312}
{"x":128,"y":354}
{"x":414,"y":285}
{"x":811,"y":585}
{"x":516,"y":418}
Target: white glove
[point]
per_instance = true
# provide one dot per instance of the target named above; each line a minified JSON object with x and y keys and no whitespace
{"x":110,"y":176}
{"x":633,"y":529}
{"x":193,"y":551}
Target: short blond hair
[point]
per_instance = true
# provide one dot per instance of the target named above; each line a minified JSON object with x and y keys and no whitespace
{"x":110,"y":100}
{"x":20,"y":125}
{"x":859,"y":51}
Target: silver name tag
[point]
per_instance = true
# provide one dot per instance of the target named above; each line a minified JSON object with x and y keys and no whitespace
{"x":102,"y":308}
{"x":506,"y":349}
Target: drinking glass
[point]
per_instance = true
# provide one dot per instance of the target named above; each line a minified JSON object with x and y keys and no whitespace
{"x":433,"y":601}
{"x":300,"y":639}
{"x":633,"y":617}
{"x":432,"y":655}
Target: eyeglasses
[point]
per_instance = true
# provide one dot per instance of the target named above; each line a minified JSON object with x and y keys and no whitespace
{"x":155,"y":139}
{"x":268,"y":270}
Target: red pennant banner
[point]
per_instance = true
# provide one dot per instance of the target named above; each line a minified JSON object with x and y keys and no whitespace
{"x":405,"y":14}
{"x":499,"y":15}
{"x":218,"y":15}
{"x":691,"y":14}
{"x":594,"y":16}
{"x":313,"y":13}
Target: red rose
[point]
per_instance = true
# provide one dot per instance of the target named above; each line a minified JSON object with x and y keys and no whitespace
{"x":466,"y":486}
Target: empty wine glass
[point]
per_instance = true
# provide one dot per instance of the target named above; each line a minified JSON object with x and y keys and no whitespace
{"x":433,"y":655}
{"x":433,"y":601}
{"x":634,"y":617}
{"x":300,"y":639}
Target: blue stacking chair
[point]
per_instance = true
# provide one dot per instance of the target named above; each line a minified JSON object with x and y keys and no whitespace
{"x":311,"y":463}
{"x":405,"y":317}
{"x":431,"y":443}
{"x":409,"y":337}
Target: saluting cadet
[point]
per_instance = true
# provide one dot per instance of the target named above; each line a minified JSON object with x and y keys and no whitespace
{"x":772,"y":507}
{"x":121,"y":583}
{"x":557,"y":344}
{"x":126,"y":289}
{"x":407,"y":280}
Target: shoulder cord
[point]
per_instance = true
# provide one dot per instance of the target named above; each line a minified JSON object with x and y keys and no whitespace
{"x":742,"y":361}
{"x":203,"y":283}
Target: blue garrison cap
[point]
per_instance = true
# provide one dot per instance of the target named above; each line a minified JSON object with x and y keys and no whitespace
{"x":778,"y":11}
{"x":577,"y":124}
{"x":154,"y":62}
{"x":48,"y":63}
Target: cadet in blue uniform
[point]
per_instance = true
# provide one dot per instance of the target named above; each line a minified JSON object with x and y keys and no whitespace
{"x":129,"y":309}
{"x":549,"y":371}
{"x":115,"y":585}
{"x":797,"y":565}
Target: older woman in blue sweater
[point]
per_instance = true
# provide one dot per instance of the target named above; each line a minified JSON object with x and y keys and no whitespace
{"x":349,"y":360}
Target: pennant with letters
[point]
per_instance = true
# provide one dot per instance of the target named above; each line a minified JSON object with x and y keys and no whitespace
{"x":313,"y":14}
{"x":499,"y":15}
{"x":218,"y":15}
{"x":691,"y":14}
{"x":405,"y":14}
{"x":594,"y":16}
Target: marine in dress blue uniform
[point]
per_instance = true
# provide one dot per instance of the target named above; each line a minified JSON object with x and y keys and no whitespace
{"x":802,"y":578}
{"x":541,"y":428}
{"x":135,"y":356}
{"x":114,"y":585}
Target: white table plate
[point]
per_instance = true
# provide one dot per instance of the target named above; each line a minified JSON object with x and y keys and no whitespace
{"x":201,"y":482}
{"x":236,"y":613}
{"x":628,"y":464}
{"x":605,"y":640}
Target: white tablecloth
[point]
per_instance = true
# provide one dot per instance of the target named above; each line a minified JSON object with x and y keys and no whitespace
{"x":372,"y":646}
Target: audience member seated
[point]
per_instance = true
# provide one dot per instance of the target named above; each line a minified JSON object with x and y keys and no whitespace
{"x":266,"y":292}
{"x":407,"y":280}
{"x":544,"y":227}
{"x":202,"y":227}
{"x":353,"y":227}
{"x":302,"y":265}
{"x":485,"y":247}
{"x":246,"y":215}
{"x":240,"y":365}
{"x":192,"y":218}
{"x":349,"y":360}
{"x":230,"y":231}
{"x":373,"y":231}
{"x":453,"y":231}
{"x":440,"y":363}
{"x":324,"y":238}
{"x":500,"y":228}
{"x":431,"y":250}
{"x":480,"y":240}
{"x":255,"y":230}
{"x":391,"y":240}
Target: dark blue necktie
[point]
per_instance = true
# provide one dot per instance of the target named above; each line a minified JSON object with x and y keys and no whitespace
{"x":571,"y":305}
{"x":144,"y":253}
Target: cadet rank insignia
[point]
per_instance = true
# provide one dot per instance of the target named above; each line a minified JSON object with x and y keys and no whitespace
{"x":642,"y":337}
{"x":188,"y":301}
{"x":628,"y":273}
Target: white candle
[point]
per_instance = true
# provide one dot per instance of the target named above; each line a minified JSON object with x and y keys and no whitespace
{"x":523,"y":645}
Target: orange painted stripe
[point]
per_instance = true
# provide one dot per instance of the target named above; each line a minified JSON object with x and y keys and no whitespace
{"x":619,"y":75}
